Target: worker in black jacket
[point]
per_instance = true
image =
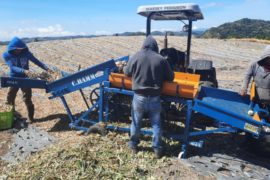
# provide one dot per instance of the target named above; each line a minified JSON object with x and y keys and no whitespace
{"x":148,"y":70}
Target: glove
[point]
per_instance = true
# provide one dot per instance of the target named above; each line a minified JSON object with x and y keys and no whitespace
{"x":243,"y":92}
{"x":28,"y":73}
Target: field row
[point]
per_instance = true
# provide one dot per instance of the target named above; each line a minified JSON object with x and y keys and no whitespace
{"x":230,"y":57}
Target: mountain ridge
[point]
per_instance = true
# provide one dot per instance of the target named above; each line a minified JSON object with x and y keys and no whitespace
{"x":138,"y":33}
{"x":243,"y":28}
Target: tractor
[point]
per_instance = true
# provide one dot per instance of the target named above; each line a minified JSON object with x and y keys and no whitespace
{"x":179,"y":60}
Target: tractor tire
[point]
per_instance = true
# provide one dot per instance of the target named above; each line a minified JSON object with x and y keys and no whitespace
{"x":206,"y":84}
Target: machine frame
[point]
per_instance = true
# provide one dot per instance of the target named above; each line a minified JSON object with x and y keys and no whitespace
{"x":209,"y":102}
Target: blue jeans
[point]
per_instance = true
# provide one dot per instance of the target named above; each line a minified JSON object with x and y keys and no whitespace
{"x":152,"y":107}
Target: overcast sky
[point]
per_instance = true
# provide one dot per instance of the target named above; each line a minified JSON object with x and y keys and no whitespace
{"x":31,"y":18}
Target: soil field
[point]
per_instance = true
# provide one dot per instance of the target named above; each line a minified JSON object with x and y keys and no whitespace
{"x":230,"y":57}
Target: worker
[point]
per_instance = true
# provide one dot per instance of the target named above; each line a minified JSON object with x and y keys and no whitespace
{"x":17,"y":57}
{"x":148,"y":70}
{"x":260,"y":72}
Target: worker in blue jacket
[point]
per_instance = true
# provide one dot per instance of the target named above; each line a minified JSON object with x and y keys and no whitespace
{"x":17,"y":58}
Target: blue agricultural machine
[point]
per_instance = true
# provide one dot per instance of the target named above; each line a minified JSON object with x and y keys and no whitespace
{"x":222,"y":106}
{"x":182,"y":99}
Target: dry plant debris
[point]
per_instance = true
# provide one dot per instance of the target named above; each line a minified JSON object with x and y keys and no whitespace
{"x":120,"y":65}
{"x":5,"y":108}
{"x":95,"y":157}
{"x":46,"y":76}
{"x":50,"y":77}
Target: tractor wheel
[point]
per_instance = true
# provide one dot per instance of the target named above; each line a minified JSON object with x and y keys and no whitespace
{"x":207,"y":84}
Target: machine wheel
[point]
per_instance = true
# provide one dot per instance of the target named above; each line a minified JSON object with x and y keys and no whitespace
{"x":94,"y":95}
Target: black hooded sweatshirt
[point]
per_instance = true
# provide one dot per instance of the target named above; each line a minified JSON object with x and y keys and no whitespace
{"x":148,"y":69}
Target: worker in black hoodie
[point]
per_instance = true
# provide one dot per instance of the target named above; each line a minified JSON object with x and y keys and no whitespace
{"x":148,"y":70}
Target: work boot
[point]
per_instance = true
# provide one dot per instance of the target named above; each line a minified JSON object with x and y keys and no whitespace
{"x":27,"y":95}
{"x":158,"y":153}
{"x":29,"y":121}
{"x":22,"y":124}
{"x":31,"y":112}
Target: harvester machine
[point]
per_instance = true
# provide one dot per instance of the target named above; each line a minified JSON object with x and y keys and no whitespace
{"x":222,"y":106}
{"x":111,"y":93}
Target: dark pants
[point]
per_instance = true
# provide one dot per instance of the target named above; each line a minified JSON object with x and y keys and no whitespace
{"x":27,"y":95}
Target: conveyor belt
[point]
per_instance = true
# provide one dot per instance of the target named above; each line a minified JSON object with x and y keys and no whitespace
{"x":231,"y":108}
{"x":235,"y":107}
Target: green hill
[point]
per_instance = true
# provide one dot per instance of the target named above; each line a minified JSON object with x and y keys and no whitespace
{"x":243,"y":28}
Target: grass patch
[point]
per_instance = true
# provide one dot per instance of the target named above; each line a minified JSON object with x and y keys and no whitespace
{"x":93,"y":157}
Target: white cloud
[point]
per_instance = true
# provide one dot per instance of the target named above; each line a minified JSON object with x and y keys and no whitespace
{"x":142,"y":30}
{"x":82,"y":34}
{"x":194,"y":28}
{"x":102,"y":32}
{"x":167,"y":29}
{"x":158,"y":29}
{"x":52,"y":30}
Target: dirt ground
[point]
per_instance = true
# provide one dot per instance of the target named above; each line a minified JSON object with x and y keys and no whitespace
{"x":6,"y":139}
{"x":230,"y":57}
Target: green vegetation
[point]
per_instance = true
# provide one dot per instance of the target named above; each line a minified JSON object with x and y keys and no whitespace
{"x":94,"y":157}
{"x":243,"y":28}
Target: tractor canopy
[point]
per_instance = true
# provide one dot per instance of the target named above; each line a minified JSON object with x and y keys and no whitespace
{"x":183,"y":11}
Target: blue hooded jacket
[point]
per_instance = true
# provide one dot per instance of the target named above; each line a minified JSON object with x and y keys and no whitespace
{"x":19,"y":63}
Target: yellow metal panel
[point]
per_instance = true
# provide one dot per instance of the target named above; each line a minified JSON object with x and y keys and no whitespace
{"x":120,"y":81}
{"x":252,"y":91}
{"x":184,"y":84}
